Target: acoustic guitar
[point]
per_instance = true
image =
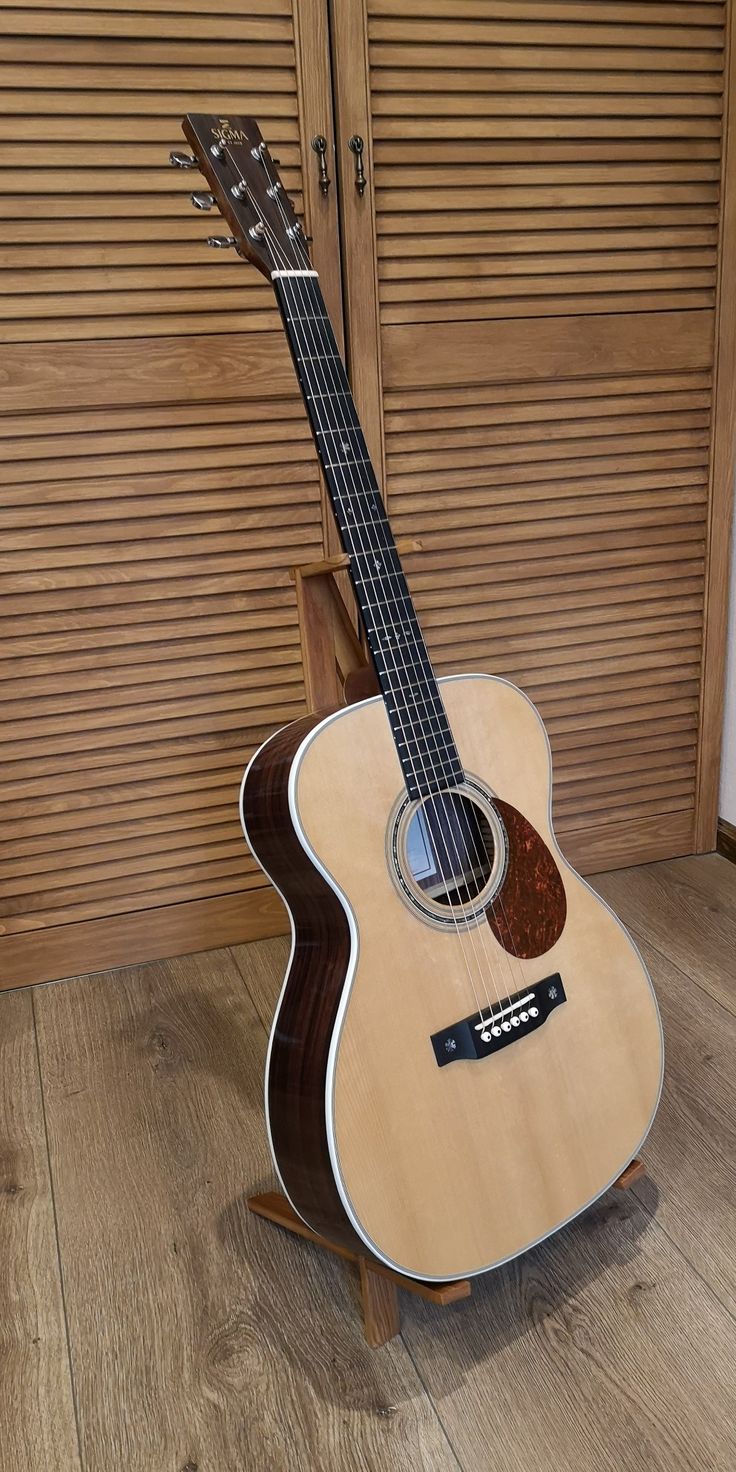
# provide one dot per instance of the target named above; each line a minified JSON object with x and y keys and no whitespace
{"x":467,"y":1049}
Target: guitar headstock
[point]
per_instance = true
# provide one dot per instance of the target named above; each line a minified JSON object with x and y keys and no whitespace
{"x":244,"y":181}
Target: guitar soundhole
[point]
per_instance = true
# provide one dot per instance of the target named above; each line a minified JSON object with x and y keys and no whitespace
{"x":449,"y":854}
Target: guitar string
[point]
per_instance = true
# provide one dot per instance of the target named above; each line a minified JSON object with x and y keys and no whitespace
{"x":369,"y":495}
{"x":281,"y":258}
{"x":474,"y":832}
{"x":443,"y":840}
{"x":306,"y":263}
{"x":443,"y":844}
{"x":310,"y":318}
{"x":507,"y":960}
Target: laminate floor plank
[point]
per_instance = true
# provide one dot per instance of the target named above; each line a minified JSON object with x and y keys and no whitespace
{"x":686,"y":908}
{"x":600,"y":1351}
{"x":37,"y":1424}
{"x":201,"y":1336}
{"x":690,"y":1152}
{"x":263,"y":967}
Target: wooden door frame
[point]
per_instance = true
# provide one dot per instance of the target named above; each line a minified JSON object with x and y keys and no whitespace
{"x":720,"y":500}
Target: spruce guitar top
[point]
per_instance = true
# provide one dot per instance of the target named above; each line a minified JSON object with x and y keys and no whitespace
{"x":467,"y":1049}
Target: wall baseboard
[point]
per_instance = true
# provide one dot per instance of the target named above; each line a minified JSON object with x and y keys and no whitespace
{"x":726,"y":839}
{"x":33,"y":956}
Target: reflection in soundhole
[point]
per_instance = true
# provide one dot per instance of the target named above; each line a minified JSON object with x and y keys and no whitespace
{"x":450,"y":848}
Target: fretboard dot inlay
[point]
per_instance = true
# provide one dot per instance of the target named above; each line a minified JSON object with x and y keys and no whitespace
{"x":417,"y":716}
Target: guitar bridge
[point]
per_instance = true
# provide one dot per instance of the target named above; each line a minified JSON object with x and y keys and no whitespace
{"x":500,"y":1023}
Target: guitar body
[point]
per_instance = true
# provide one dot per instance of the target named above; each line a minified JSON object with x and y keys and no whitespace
{"x":467,"y":1049}
{"x":442,"y":1165}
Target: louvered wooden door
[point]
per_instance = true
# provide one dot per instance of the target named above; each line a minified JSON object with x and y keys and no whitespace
{"x":158,"y":470}
{"x":532,"y":285}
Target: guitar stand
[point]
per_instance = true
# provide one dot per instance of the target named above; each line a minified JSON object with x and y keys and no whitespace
{"x":337,"y":671}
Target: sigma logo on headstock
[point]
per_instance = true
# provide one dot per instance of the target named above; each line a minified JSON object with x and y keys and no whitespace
{"x":227,"y":134}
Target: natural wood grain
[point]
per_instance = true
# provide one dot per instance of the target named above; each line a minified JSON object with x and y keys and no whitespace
{"x":582,"y":1124}
{"x":561,"y":347}
{"x":687,"y":911}
{"x":143,"y":935}
{"x":726,"y":840}
{"x":380,"y":1306}
{"x":606,"y":1350}
{"x":275,"y":1208}
{"x":181,"y":1303}
{"x":613,"y":1314}
{"x":39,"y":1431}
{"x":691,"y":1149}
{"x":544,"y":180}
{"x":160,"y":449}
{"x":721,"y":486}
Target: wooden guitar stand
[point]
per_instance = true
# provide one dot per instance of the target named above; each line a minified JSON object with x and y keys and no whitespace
{"x":337,"y":671}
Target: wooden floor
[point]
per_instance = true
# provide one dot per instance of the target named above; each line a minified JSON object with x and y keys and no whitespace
{"x":149,"y":1323}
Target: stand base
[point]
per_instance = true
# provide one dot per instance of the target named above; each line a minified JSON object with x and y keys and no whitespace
{"x":379,"y":1284}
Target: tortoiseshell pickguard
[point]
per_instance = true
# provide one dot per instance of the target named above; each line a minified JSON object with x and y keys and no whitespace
{"x":528,"y":914}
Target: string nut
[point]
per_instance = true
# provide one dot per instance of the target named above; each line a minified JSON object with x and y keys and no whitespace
{"x":217,"y":150}
{"x":240,"y":190}
{"x":257,"y":231}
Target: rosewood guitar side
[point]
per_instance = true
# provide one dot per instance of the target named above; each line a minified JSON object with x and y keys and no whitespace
{"x":305,"y":1018}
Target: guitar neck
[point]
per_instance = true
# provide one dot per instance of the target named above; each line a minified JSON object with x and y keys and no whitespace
{"x":417,"y":716}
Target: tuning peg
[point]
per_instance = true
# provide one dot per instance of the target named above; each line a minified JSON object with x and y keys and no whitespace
{"x":182,"y":160}
{"x":221,"y":242}
{"x":201,"y":200}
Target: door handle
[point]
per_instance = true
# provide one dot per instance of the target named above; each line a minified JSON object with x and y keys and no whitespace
{"x":319,"y":144}
{"x":355,"y":144}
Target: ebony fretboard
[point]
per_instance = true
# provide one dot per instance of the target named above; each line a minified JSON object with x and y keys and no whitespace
{"x":417,"y":716}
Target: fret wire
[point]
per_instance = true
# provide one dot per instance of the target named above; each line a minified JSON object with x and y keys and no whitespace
{"x":378,"y":522}
{"x":443,"y":742}
{"x":371,"y":496}
{"x":341,"y":464}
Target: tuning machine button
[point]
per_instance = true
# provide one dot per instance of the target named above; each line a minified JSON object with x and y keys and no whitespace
{"x":202,"y":200}
{"x":181,"y":160}
{"x":221,"y":242}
